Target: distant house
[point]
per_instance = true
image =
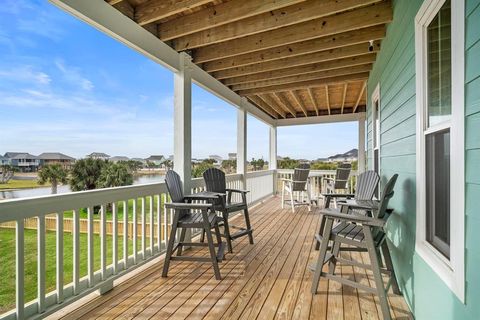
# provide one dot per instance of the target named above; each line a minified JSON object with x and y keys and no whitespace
{"x":24,"y":161}
{"x":157,"y":160}
{"x":4,"y":161}
{"x":56,"y":158}
{"x":218,"y":159}
{"x":232,"y":156}
{"x":116,"y":159}
{"x":139,"y":160}
{"x":349,"y":156}
{"x":98,"y":155}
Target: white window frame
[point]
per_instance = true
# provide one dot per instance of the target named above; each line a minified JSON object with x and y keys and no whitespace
{"x":376,"y":132}
{"x":451,"y":271}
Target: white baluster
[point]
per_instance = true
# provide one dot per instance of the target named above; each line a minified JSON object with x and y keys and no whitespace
{"x":150,"y":201}
{"x":125,"y":235}
{"x":159,"y":224}
{"x":115,"y":237}
{"x":20,"y":269}
{"x":135,"y":231}
{"x":91,"y":279}
{"x":76,"y":251}
{"x":41,"y":263}
{"x":59,"y":237}
{"x":144,"y":229}
{"x":103,"y":241}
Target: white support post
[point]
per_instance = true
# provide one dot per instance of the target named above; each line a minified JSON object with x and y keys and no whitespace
{"x":272,"y":161}
{"x":361,"y":143}
{"x":242,"y":145}
{"x":182,"y":125}
{"x":182,"y":154}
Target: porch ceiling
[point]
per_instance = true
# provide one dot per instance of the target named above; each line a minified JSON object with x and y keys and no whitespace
{"x":290,"y":58}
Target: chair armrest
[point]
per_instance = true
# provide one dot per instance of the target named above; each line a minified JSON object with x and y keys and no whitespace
{"x":328,"y":179}
{"x":190,"y":206}
{"x":371,"y":205}
{"x":335,"y":214}
{"x":338,"y":195}
{"x":286,"y":180}
{"x":238,"y":190}
{"x":204,"y":196}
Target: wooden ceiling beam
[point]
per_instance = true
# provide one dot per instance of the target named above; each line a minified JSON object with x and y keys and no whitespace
{"x":304,"y":77}
{"x":295,"y":49}
{"x":269,"y":20}
{"x":216,"y":16}
{"x":327,"y":99}
{"x":321,"y":56}
{"x":282,"y":101}
{"x":298,"y":100}
{"x":112,"y":2}
{"x":312,"y":97}
{"x":359,"y":97}
{"x":304,"y":84}
{"x":262,"y":105}
{"x":154,"y":10}
{"x":266,"y":98}
{"x":301,"y":70}
{"x":349,"y":21}
{"x":344,"y":95}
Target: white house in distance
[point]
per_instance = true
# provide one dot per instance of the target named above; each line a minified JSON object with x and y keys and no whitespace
{"x":232,"y":156}
{"x":218,"y":159}
{"x":24,"y":161}
{"x":116,"y":159}
{"x":157,"y":160}
{"x":4,"y":161}
{"x":98,"y":155}
{"x":56,"y":158}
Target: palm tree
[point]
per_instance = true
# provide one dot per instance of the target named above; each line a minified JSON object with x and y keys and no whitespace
{"x":53,"y":173}
{"x":115,"y":175}
{"x":85,"y":174}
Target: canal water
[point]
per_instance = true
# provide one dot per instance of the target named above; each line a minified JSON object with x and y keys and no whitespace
{"x":23,"y":193}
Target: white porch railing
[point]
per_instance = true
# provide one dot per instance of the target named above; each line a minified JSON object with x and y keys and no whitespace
{"x":137,"y":238}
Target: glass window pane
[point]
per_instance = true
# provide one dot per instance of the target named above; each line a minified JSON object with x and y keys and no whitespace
{"x":438,"y":190}
{"x":439,"y":67}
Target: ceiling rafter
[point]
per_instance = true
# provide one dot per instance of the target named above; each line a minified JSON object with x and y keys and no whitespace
{"x":298,"y":100}
{"x":349,"y":21}
{"x":314,"y":102}
{"x":344,"y":95}
{"x":266,"y":21}
{"x":359,"y":96}
{"x":273,"y":105}
{"x":266,"y":108}
{"x":284,"y":102}
{"x":154,"y":10}
{"x":327,"y":99}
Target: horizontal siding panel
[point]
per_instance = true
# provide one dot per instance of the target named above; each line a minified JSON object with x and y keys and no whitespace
{"x":396,"y":72}
{"x":473,"y":28}
{"x":403,"y":83}
{"x":472,"y":193}
{"x":405,"y":108}
{"x":399,"y":147}
{"x":472,"y":131}
{"x":473,"y":168}
{"x":470,"y":6}
{"x":472,"y":62}
{"x":404,"y":163}
{"x":472,"y":96}
{"x":401,"y":130}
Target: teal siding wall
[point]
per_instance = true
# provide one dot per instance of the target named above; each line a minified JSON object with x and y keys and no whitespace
{"x":427,"y":295}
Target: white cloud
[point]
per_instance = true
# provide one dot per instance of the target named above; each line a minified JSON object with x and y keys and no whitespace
{"x":73,"y":75}
{"x":26,"y":74}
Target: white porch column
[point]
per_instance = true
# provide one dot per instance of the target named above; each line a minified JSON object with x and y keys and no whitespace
{"x":272,"y":161}
{"x":242,"y":145}
{"x":182,"y":127}
{"x":361,"y":143}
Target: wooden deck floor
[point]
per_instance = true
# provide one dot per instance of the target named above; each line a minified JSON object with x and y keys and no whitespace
{"x":267,"y":280}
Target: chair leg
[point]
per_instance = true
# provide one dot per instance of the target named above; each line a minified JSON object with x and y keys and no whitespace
{"x":377,"y":275}
{"x":309,"y":199}
{"x":333,"y":264}
{"x":320,"y":231}
{"x":292,"y":202}
{"x":202,"y":236}
{"x":247,"y":223}
{"x":226,"y":229}
{"x":321,"y":255}
{"x":389,"y":265}
{"x":211,"y":248}
{"x":182,"y":239}
{"x":283,"y":195}
{"x":168,"y":254}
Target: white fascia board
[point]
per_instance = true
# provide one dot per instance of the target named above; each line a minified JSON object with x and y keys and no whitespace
{"x":318,"y":119}
{"x":101,"y":15}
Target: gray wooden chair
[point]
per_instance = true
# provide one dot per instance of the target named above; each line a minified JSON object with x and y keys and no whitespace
{"x":340,"y":182}
{"x":358,"y":233}
{"x":367,"y":183}
{"x":189,"y":215}
{"x":300,"y":185}
{"x":215,"y":182}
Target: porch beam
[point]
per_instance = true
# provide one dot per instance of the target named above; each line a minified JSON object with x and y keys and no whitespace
{"x":242,"y":143}
{"x":349,"y":21}
{"x":272,"y":159}
{"x":361,"y":142}
{"x":302,"y":70}
{"x":317,"y":119}
{"x":216,"y":16}
{"x":305,"y":84}
{"x":316,"y":57}
{"x":182,"y":122}
{"x":304,"y":77}
{"x":269,"y":20}
{"x":359,"y":96}
{"x":154,"y":10}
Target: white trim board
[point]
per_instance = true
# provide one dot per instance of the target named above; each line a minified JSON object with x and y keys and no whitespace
{"x":451,"y":271}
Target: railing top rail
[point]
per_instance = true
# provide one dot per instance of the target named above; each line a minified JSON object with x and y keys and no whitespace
{"x":16,"y":209}
{"x":259,"y":173}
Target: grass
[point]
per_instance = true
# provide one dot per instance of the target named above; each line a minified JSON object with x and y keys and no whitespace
{"x":21,"y":184}
{"x":7,"y":262}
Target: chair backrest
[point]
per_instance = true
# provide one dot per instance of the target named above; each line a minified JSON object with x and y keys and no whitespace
{"x":367,"y":183}
{"x":215,"y":180}
{"x":387,"y":194}
{"x":174,"y":186}
{"x":342,"y":174}
{"x":300,"y":174}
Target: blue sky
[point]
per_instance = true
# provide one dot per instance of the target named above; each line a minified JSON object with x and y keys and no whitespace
{"x":64,"y":86}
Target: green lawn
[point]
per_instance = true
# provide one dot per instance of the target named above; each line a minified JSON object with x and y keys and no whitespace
{"x":7,"y":262}
{"x":21,"y":184}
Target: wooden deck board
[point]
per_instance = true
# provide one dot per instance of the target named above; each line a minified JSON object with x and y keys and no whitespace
{"x":268,"y":280}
